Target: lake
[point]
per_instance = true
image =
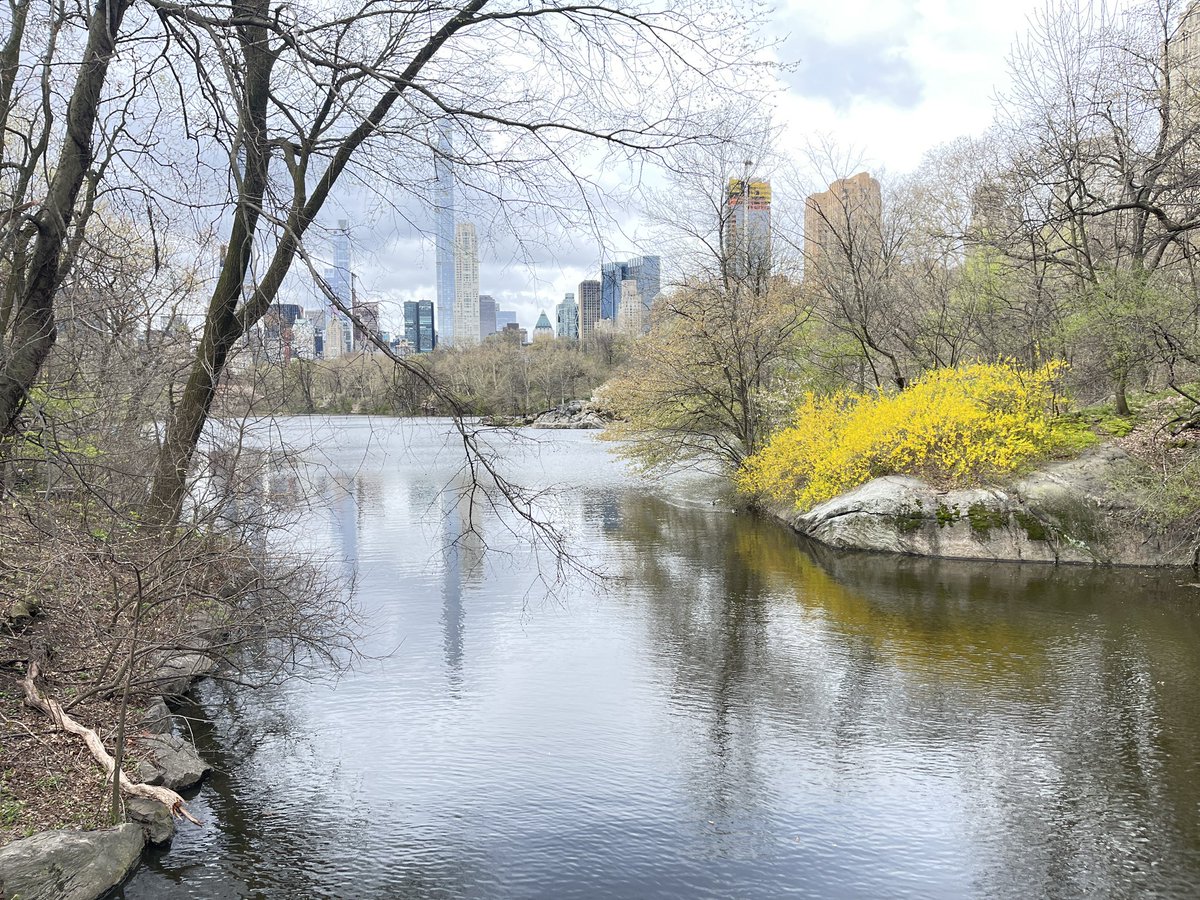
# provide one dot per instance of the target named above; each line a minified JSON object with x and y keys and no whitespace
{"x":727,"y":712}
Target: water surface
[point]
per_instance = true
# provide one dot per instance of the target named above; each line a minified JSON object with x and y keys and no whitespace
{"x":733,"y":715}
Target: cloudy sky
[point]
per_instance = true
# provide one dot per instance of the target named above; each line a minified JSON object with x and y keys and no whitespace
{"x":889,"y":79}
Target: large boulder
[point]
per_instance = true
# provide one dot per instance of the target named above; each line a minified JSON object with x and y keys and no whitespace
{"x":170,"y":761}
{"x":69,"y":865}
{"x":175,"y":674}
{"x":155,"y":819}
{"x":156,"y":717}
{"x":1065,"y":512}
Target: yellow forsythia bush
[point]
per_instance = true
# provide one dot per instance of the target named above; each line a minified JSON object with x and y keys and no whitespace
{"x":952,"y":425}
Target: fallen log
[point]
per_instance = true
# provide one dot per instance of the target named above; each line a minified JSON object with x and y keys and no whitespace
{"x":165,"y":796}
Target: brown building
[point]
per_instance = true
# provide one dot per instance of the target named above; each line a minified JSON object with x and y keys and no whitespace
{"x":840,"y":217}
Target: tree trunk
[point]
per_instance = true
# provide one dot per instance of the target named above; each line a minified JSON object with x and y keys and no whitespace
{"x":1120,"y":396}
{"x":222,"y":326}
{"x":33,"y":329}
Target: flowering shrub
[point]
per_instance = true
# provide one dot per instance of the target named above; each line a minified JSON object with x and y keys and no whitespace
{"x":951,"y":425}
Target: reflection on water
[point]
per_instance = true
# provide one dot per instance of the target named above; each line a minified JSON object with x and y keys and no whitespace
{"x":737,"y":715}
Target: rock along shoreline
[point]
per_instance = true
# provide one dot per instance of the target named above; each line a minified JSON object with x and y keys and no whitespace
{"x":71,"y":864}
{"x":1066,"y":512}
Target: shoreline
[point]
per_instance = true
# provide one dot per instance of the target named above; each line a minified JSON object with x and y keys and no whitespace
{"x":1064,"y":513}
{"x":89,"y":864}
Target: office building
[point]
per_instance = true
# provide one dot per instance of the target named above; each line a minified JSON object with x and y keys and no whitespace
{"x":543,"y":330}
{"x":589,"y":308}
{"x":466,"y":285}
{"x":444,"y":235}
{"x":419,"y":325}
{"x":487,"y":315}
{"x":642,"y":269}
{"x":504,"y":318}
{"x":566,"y":316}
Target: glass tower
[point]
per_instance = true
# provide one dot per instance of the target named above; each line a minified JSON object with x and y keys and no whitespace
{"x":444,"y":240}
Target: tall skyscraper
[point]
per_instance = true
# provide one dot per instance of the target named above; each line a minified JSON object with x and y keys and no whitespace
{"x":340,"y":282}
{"x":589,"y":308}
{"x":504,"y":318}
{"x":849,"y":213}
{"x":543,"y":330}
{"x":466,"y":285}
{"x":336,"y":334}
{"x":487,"y":315}
{"x":444,"y":234}
{"x":566,"y":316}
{"x":642,"y":269}
{"x":418,"y":325}
{"x":633,"y":318}
{"x":748,"y":226}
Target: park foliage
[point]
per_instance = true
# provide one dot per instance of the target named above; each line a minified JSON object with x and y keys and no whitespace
{"x":954,"y":425}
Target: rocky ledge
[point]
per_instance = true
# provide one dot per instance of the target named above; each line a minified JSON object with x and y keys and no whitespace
{"x":575,"y":414}
{"x":1067,"y":512}
{"x":69,"y":865}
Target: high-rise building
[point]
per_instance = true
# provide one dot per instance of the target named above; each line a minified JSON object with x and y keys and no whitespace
{"x":487,"y":315}
{"x":515,"y":333}
{"x":1184,"y":50}
{"x":836,"y":220}
{"x":304,"y":339}
{"x":566,"y":316}
{"x":589,"y":308}
{"x":748,"y":226}
{"x":466,"y":285}
{"x":368,"y":314}
{"x":633,"y":318}
{"x":1183,"y":62}
{"x":336,"y":331}
{"x":642,"y":269}
{"x":444,"y":239}
{"x":543,"y":330}
{"x":504,"y":318}
{"x":418,"y":325}
{"x":340,"y":281}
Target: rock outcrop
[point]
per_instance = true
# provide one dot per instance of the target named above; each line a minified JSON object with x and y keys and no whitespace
{"x":575,"y":414}
{"x":170,"y":761}
{"x":156,"y":718}
{"x":1067,"y":512}
{"x":156,"y":820}
{"x":69,"y":865}
{"x":176,"y":674}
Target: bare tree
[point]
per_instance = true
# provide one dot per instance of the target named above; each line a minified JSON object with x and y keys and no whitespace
{"x":309,"y":101}
{"x":1103,"y":128}
{"x":39,"y":215}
